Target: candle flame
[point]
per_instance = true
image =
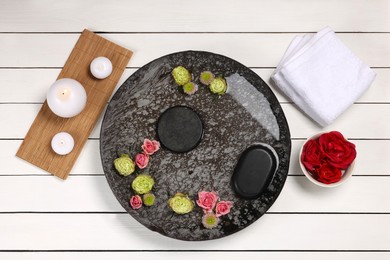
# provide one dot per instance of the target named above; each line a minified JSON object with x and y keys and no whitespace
{"x":64,"y":93}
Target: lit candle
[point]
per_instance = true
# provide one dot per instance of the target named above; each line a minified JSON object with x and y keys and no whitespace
{"x":66,"y":97}
{"x":101,"y":67}
{"x":62,"y":143}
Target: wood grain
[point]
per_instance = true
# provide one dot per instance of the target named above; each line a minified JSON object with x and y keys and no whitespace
{"x":250,"y":49}
{"x":78,"y":231}
{"x":39,"y":79}
{"x":36,"y":38}
{"x":89,"y":159}
{"x":206,"y":255}
{"x":36,"y":147}
{"x":195,"y":16}
{"x":364,"y":121}
{"x":89,"y":194}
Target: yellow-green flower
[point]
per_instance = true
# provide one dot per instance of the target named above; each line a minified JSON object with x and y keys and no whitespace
{"x":190,"y":88}
{"x":181,"y":75}
{"x":218,"y":86}
{"x":148,"y":199}
{"x":181,"y":204}
{"x":210,"y":220}
{"x":124,"y":165}
{"x":206,"y":77}
{"x":142,"y":184}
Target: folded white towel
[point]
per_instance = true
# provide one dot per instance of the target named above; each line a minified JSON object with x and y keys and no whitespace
{"x":322,"y":76}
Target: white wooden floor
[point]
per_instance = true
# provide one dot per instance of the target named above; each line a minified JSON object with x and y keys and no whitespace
{"x":42,"y":217}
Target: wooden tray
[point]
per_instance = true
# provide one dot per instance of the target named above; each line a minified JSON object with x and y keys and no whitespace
{"x":36,"y":147}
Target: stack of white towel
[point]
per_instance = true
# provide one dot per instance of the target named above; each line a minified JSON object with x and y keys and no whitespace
{"x":322,"y":76}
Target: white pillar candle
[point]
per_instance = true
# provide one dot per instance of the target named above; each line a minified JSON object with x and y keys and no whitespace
{"x":66,"y":97}
{"x":62,"y":143}
{"x":101,"y":67}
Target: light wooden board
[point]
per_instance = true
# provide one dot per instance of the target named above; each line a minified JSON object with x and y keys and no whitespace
{"x":121,"y":232}
{"x":208,"y":255}
{"x":89,"y":160}
{"x":359,"y":121}
{"x":36,"y":38}
{"x":36,"y":147}
{"x":251,"y":49}
{"x":199,"y":16}
{"x":30,"y":85}
{"x":92,"y":194}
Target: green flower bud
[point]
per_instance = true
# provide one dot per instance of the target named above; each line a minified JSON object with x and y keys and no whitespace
{"x":206,"y":77}
{"x":190,"y":88}
{"x":181,"y":75}
{"x":218,"y":86}
{"x":210,"y":220}
{"x":181,"y":204}
{"x":148,"y":199}
{"x":142,"y":184}
{"x":124,"y":165}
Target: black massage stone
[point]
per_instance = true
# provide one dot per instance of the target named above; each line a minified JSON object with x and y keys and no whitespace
{"x":254,"y":171}
{"x":179,"y":129}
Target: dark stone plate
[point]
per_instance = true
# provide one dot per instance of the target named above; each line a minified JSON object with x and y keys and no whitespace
{"x":248,"y":114}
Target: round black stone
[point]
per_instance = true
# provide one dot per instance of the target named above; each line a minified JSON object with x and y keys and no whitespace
{"x":179,"y":129}
{"x":254,"y":171}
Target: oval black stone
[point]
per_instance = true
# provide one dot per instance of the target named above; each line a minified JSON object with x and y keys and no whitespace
{"x":179,"y":129}
{"x":254,"y":171}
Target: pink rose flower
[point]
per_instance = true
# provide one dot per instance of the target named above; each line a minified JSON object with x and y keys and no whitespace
{"x":156,"y":145}
{"x":136,"y":202}
{"x":150,"y":146}
{"x":142,"y":160}
{"x":223,"y":208}
{"x":207,"y":200}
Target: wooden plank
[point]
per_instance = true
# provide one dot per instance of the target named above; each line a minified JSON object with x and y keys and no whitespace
{"x":167,"y":255}
{"x":36,"y":145}
{"x":30,"y":85}
{"x":104,"y":231}
{"x":87,"y":163}
{"x":121,"y":232}
{"x":359,"y":121}
{"x":368,"y":162}
{"x":17,"y":118}
{"x":251,"y":49}
{"x":92,"y":194}
{"x":205,"y":16}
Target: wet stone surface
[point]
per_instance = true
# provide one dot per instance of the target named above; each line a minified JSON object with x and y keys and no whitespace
{"x":179,"y":129}
{"x":248,"y":114}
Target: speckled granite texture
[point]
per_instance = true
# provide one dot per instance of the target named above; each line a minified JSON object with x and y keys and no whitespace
{"x":247,"y":114}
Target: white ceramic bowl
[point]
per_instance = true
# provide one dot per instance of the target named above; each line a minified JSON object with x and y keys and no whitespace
{"x":346,"y":174}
